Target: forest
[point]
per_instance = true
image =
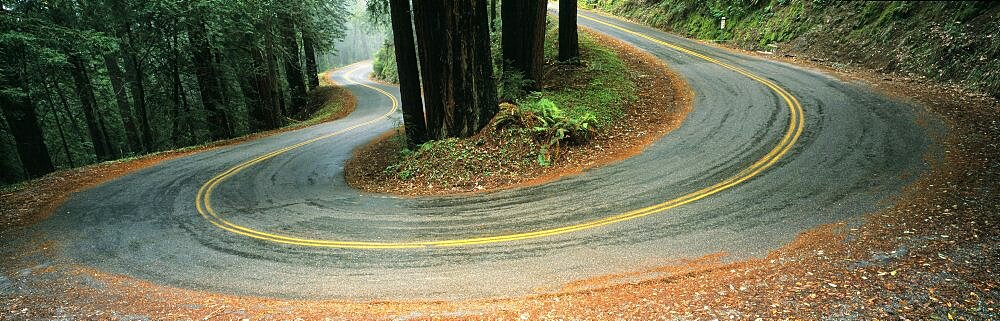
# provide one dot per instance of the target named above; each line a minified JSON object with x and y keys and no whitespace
{"x":92,"y":81}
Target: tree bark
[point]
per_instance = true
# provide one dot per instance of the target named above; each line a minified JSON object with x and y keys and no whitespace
{"x":523,"y":38}
{"x":59,"y":124}
{"x":264,"y":110}
{"x":409,"y":75}
{"x":293,"y":66}
{"x":569,"y":42}
{"x":208,"y":82}
{"x":19,"y":111}
{"x":85,"y":91}
{"x":134,"y":142}
{"x":312,"y":73}
{"x":134,"y":73}
{"x":454,"y":43}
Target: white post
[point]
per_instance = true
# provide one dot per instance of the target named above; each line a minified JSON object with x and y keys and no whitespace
{"x":722,"y":25}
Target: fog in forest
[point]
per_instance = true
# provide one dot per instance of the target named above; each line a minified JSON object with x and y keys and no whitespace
{"x":361,"y":40}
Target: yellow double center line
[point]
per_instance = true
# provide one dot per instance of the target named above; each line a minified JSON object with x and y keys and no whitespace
{"x":203,"y":200}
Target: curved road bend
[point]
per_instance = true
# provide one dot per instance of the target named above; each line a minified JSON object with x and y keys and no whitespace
{"x":856,"y":150}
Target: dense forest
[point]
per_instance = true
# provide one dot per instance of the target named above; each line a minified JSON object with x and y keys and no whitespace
{"x":91,"y":81}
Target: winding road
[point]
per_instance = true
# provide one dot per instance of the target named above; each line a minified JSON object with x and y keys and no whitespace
{"x":768,"y":151}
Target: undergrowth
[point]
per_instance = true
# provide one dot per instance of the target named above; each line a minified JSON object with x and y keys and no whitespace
{"x":531,"y":129}
{"x":384,"y":64}
{"x":948,"y":41}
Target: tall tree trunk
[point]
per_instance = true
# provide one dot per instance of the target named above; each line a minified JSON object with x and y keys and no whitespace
{"x":293,"y":66}
{"x":260,"y":93}
{"x":180,"y":99}
{"x":208,"y":83}
{"x":493,"y":15}
{"x":85,"y":90}
{"x":28,"y":137}
{"x":569,"y":42}
{"x":409,"y":75}
{"x":312,"y":73}
{"x":59,"y":124}
{"x":454,"y":43}
{"x":139,"y":136}
{"x":137,"y":83}
{"x":523,"y":38}
{"x":134,"y":142}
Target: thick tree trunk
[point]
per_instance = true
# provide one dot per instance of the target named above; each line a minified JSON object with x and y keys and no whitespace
{"x":454,"y":43}
{"x":59,"y":124}
{"x":85,"y":91}
{"x":569,"y":42}
{"x":311,"y":71}
{"x":409,"y":75}
{"x":28,"y":137}
{"x":180,"y":99}
{"x":293,"y":66}
{"x":265,"y":110}
{"x":523,"y":38}
{"x":134,"y":142}
{"x":208,"y":82}
{"x":137,"y":83}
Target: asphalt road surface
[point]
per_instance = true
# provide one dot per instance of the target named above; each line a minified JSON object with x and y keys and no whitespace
{"x":287,"y":224}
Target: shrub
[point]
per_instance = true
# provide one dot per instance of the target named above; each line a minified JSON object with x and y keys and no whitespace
{"x":547,"y":124}
{"x":384,"y":64}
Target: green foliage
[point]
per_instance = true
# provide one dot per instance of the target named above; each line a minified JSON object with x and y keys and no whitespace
{"x":511,"y":84}
{"x":949,"y":41}
{"x":384,"y":65}
{"x":552,"y":127}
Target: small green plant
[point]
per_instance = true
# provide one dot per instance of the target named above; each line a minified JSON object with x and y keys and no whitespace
{"x":511,"y":84}
{"x":549,"y":125}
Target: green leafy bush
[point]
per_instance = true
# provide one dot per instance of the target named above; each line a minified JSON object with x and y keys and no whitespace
{"x":384,"y":64}
{"x":547,"y":124}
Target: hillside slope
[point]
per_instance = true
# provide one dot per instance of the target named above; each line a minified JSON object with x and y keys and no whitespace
{"x":946,"y":41}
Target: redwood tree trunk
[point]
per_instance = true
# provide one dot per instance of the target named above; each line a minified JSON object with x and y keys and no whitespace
{"x":409,"y":77}
{"x":312,"y":74}
{"x":134,"y":142}
{"x":293,"y":66}
{"x":523,"y":38}
{"x":454,"y":42}
{"x":28,"y":137}
{"x":85,"y":91}
{"x":569,"y":42}
{"x":134,"y":73}
{"x":208,"y":83}
{"x":260,"y":93}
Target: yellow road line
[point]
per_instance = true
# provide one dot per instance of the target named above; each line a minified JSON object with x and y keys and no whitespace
{"x":795,"y":127}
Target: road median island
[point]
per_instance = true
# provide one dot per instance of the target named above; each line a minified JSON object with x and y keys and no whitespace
{"x":620,"y":98}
